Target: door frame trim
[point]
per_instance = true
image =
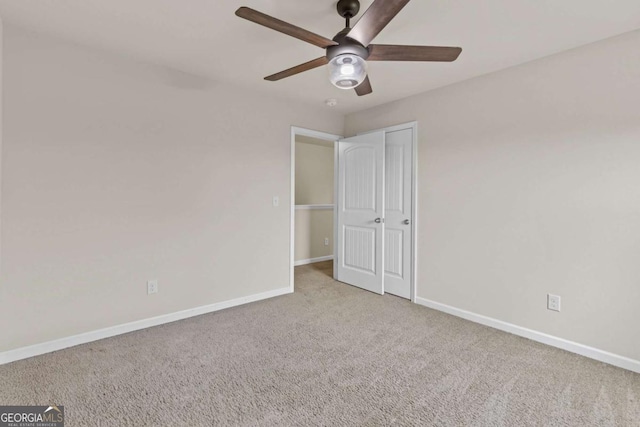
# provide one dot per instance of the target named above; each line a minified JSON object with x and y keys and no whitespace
{"x":414,"y":198}
{"x":295,"y":130}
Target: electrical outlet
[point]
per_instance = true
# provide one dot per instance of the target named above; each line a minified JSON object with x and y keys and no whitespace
{"x":152,"y":287}
{"x":326,"y":241}
{"x":553,"y":302}
{"x":276,"y":201}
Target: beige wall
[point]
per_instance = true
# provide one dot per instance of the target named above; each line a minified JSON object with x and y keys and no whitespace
{"x":116,"y":172}
{"x":314,"y":173}
{"x":312,"y":226}
{"x":528,"y":185}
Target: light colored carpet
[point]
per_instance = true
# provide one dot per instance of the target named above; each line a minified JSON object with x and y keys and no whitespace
{"x":329,"y":354}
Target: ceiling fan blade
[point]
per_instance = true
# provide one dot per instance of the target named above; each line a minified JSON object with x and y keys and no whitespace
{"x":364,"y":88}
{"x":379,"y":14}
{"x":318,"y":62}
{"x":284,"y":27}
{"x":388,"y":52}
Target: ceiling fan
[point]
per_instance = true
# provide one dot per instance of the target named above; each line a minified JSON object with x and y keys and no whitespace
{"x":349,"y":50}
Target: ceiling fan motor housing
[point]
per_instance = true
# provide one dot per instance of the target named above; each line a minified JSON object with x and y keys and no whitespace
{"x":346,"y":46}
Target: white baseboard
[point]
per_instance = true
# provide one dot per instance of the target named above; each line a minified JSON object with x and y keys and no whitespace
{"x":313,"y":260}
{"x":573,"y":347}
{"x":62,"y":343}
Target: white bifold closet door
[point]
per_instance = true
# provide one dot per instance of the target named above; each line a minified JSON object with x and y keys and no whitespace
{"x":360,"y":211}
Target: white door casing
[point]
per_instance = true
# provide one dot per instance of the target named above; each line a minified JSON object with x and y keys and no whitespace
{"x":398,"y":212}
{"x":360,"y":209}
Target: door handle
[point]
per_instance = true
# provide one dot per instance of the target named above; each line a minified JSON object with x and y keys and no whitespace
{"x":406,"y":222}
{"x":377,"y":220}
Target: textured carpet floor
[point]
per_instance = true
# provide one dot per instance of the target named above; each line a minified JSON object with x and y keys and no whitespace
{"x":329,"y":354}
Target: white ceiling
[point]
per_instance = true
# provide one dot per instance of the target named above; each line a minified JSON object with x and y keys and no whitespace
{"x":204,"y":37}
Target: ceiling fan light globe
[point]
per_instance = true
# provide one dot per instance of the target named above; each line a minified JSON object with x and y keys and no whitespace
{"x":347,"y":71}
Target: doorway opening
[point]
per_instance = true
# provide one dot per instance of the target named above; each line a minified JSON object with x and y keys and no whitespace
{"x":372,"y":210}
{"x":313,"y":156}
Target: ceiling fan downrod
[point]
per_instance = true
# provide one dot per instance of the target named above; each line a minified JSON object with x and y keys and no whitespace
{"x":348,"y":9}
